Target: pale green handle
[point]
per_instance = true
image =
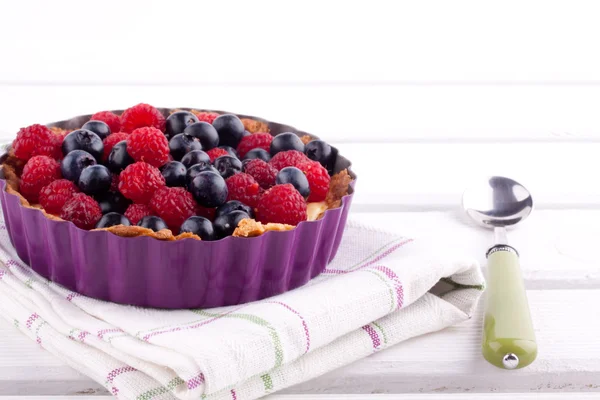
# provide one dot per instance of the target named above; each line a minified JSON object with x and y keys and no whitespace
{"x":507,"y":328}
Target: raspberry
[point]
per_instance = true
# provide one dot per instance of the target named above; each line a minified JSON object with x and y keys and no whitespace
{"x":244,"y":188}
{"x":135,"y":212}
{"x":206,"y":116}
{"x":216,"y":153}
{"x":254,"y":141}
{"x":54,"y":195}
{"x":37,"y":173}
{"x":289,"y":158}
{"x":262,"y":172}
{"x":111,"y":140}
{"x":206,"y":212}
{"x":281,"y":204}
{"x":318,"y":179}
{"x":149,"y":145}
{"x":139,"y":181}
{"x":174,"y":205}
{"x":33,"y":140}
{"x":82,"y":210}
{"x":114,"y":183}
{"x":112,"y":120}
{"x":51,"y":149}
{"x":142,"y":115}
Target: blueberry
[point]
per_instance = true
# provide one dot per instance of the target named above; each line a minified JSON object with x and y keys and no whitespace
{"x":85,"y":140}
{"x":119,"y":158}
{"x":195,"y":157}
{"x":199,"y":226}
{"x":178,"y":121}
{"x":174,"y":173}
{"x":181,"y":144}
{"x":234,"y":205}
{"x":196,"y":169}
{"x":232,"y":152}
{"x":205,"y":133}
{"x":296,"y":177}
{"x":226,"y":224}
{"x":230,"y":129}
{"x":95,"y":179}
{"x":228,"y":166}
{"x":261,"y":154}
{"x":74,"y":162}
{"x":320,"y":151}
{"x":286,"y":141}
{"x":112,"y":202}
{"x":112,"y":219}
{"x":209,"y":189}
{"x":100,"y":128}
{"x":152,"y":222}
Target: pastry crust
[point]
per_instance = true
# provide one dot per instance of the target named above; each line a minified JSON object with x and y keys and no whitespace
{"x":254,"y":126}
{"x":251,"y":228}
{"x":134,"y":231}
{"x":306,"y":139}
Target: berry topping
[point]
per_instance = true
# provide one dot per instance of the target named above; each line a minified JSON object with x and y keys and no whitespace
{"x":112,"y":219}
{"x":290,"y":158}
{"x":198,"y":226}
{"x":119,"y":158}
{"x":209,"y":189}
{"x":178,"y":121}
{"x":226,"y":224}
{"x":206,"y":116}
{"x":114,"y":183}
{"x":54,"y":195}
{"x":216,"y":153}
{"x":173,"y":205}
{"x":135,"y":212}
{"x":82,"y":210}
{"x":196,"y":169}
{"x":37,"y":173}
{"x":194,"y":157}
{"x":230,"y":150}
{"x":181,"y":144}
{"x":261,"y":154}
{"x":152,"y":222}
{"x":82,"y":139}
{"x":139,"y":181}
{"x":244,"y":188}
{"x":262,"y":172}
{"x":286,"y":141}
{"x":282,"y":204}
{"x":319,"y":151}
{"x":53,"y":148}
{"x":112,"y":202}
{"x":74,"y":162}
{"x":256,"y":141}
{"x":296,"y":177}
{"x":205,"y":133}
{"x":208,"y":213}
{"x":98,"y":127}
{"x":230,"y":129}
{"x":318,"y":179}
{"x":234,"y":205}
{"x":30,"y":140}
{"x":110,"y":141}
{"x":148,"y":145}
{"x":174,"y":173}
{"x":140,"y":116}
{"x":95,"y":180}
{"x":228,"y":166}
{"x":112,"y":120}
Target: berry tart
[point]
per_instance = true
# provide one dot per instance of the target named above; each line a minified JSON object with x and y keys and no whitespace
{"x":174,"y":208}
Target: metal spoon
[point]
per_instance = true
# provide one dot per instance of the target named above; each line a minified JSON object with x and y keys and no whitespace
{"x":508,"y":336}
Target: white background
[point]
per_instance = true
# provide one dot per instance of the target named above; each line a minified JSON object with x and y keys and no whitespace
{"x":422,"y":96}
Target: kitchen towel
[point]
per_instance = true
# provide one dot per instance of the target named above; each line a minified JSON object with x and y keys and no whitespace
{"x":380,"y":289}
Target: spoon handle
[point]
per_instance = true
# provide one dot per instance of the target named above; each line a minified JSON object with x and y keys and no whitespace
{"x":508,"y":336}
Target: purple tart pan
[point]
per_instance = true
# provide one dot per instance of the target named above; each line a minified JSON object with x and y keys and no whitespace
{"x":186,"y":273}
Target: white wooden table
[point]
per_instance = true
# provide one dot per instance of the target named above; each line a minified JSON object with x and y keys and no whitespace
{"x":423,"y":99}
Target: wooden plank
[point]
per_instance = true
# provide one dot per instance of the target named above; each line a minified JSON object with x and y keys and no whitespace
{"x":442,"y":362}
{"x":345,"y":113}
{"x":272,"y":42}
